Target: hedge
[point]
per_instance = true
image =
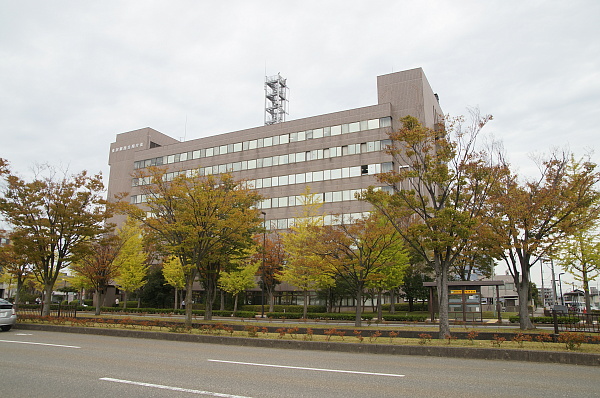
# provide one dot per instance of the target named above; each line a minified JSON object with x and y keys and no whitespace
{"x":547,"y":319}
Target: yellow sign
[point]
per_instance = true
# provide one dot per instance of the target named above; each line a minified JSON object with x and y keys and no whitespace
{"x":463,"y":291}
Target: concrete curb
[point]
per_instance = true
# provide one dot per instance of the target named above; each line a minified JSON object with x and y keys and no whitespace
{"x":572,"y":358}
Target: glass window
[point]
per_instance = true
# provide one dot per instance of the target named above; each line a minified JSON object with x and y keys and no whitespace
{"x":282,"y":223}
{"x":309,"y":134}
{"x":328,"y":197}
{"x":318,"y":133}
{"x":251,"y":164}
{"x":222,"y":168}
{"x":274,"y":202}
{"x":351,"y":149}
{"x":283,"y":159}
{"x":387,"y":167}
{"x":326,"y":175}
{"x":345,"y":150}
{"x":326,"y":153}
{"x":291,"y":179}
{"x":274,"y":181}
{"x":345,"y":129}
{"x":375,"y":168}
{"x":373,"y":124}
{"x":267,"y":182}
{"x":259,"y":183}
{"x":291,"y":201}
{"x":319,"y":154}
{"x":300,"y":178}
{"x":267,"y":162}
{"x":259,"y":143}
{"x":276,"y":140}
{"x":209,"y":152}
{"x":267,"y":141}
{"x":222,"y":150}
{"x":283,"y":180}
{"x":364,"y":125}
{"x":171,"y":159}
{"x":237,"y":166}
{"x":183,"y":157}
{"x":337,"y":196}
{"x":177,"y":157}
{"x":385,"y":143}
{"x":283,"y":202}
{"x":326,"y":131}
{"x":371,"y":146}
{"x":237,"y":147}
{"x":196,"y":154}
{"x":245,"y":145}
{"x":354,"y":127}
{"x":317,"y":175}
{"x":275,"y":160}
{"x":355,"y":171}
{"x":244,"y":165}
{"x":229,"y":148}
{"x":301,"y":135}
{"x":347,"y":195}
{"x":336,"y":130}
{"x":293,"y":137}
{"x":336,"y":174}
{"x":308,"y":155}
{"x":284,"y":139}
{"x":385,"y":121}
{"x":266,"y":204}
{"x":300,"y":157}
{"x":259,"y":163}
{"x":363,"y":147}
{"x":252,"y":144}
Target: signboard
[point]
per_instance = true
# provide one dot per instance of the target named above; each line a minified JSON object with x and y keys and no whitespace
{"x":463,"y":291}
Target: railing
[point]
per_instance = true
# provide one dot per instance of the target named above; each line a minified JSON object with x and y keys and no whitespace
{"x":56,"y":310}
{"x":573,"y":321}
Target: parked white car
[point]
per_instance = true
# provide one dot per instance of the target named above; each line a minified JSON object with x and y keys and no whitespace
{"x":8,"y":315}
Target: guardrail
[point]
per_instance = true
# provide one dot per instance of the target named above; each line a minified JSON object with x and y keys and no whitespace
{"x":57,"y":310}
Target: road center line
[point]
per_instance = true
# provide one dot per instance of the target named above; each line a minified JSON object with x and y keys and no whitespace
{"x":315,"y":369}
{"x":33,"y":343}
{"x":170,"y":388}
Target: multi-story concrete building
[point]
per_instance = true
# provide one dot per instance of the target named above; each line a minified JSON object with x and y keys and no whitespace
{"x":336,"y":154}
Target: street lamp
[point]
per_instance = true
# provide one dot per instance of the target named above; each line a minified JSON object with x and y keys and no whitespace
{"x":562,"y":298}
{"x":262,"y":307}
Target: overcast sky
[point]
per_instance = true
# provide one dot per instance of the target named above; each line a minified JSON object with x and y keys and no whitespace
{"x":73,"y":74}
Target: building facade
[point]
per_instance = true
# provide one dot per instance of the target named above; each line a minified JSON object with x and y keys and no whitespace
{"x":336,"y":154}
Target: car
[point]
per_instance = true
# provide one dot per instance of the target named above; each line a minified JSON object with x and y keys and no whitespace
{"x":8,"y":315}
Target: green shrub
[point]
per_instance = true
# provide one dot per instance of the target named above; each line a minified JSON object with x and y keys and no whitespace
{"x":547,"y":319}
{"x":284,"y":308}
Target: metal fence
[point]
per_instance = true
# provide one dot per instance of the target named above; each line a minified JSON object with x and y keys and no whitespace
{"x":573,"y":321}
{"x":56,"y":310}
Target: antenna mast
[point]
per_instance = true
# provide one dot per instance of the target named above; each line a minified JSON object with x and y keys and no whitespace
{"x":276,"y":99}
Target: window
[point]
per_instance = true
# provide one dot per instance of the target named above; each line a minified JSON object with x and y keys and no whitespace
{"x":364,"y":169}
{"x":237,"y":147}
{"x":318,"y":133}
{"x":252,"y":144}
{"x":284,"y":139}
{"x":385,"y":121}
{"x":268,"y":141}
{"x":336,"y":130}
{"x":354,"y":127}
{"x":373,"y":124}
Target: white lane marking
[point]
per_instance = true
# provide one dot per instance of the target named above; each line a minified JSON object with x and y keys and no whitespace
{"x":137,"y":383}
{"x":23,"y":334}
{"x":302,"y":368}
{"x":32,"y":343}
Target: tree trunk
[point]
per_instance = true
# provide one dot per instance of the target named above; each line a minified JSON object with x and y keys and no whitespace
{"x":392,"y":301}
{"x":188,"y":301}
{"x":523,"y":291}
{"x":305,"y":309}
{"x":358,"y":313}
{"x":235,"y":302}
{"x":99,"y":300}
{"x":125,"y":296}
{"x":47,"y":300}
{"x":271,"y":300}
{"x":175,"y":303}
{"x":222,"y":306}
{"x":379,"y":306}
{"x":442,"y":290}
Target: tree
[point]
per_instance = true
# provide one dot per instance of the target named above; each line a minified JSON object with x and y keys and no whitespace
{"x":98,"y":265}
{"x":16,"y":268}
{"x":531,"y":218}
{"x":580,"y":256}
{"x":53,"y":218}
{"x":175,"y":275}
{"x":131,"y":262}
{"x":365,"y":253}
{"x":274,"y":259}
{"x":239,"y":279}
{"x":304,"y":269}
{"x":203,"y":220}
{"x":438,"y":193}
{"x":412,"y":286}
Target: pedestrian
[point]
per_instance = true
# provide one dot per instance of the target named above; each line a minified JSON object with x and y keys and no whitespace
{"x":183,"y":304}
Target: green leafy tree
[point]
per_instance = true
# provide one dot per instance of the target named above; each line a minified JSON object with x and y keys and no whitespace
{"x":366,"y":253}
{"x":275,"y":257}
{"x":239,"y":279}
{"x":412,"y":286}
{"x":131,"y":261}
{"x":305,"y":269}
{"x":580,"y":256}
{"x":175,"y":275}
{"x":52,"y":219}
{"x":203,"y":220}
{"x":531,"y":218}
{"x":438,"y":194}
{"x":15,"y":268}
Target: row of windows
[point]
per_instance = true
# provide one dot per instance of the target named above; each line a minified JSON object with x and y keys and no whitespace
{"x":266,"y":142}
{"x":324,"y":197}
{"x":330,"y":219}
{"x":299,"y":178}
{"x":316,"y":154}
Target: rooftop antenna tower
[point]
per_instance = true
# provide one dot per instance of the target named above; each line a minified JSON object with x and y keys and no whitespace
{"x":276,"y":99}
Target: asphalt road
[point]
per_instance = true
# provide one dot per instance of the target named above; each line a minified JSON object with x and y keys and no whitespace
{"x":49,"y":364}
